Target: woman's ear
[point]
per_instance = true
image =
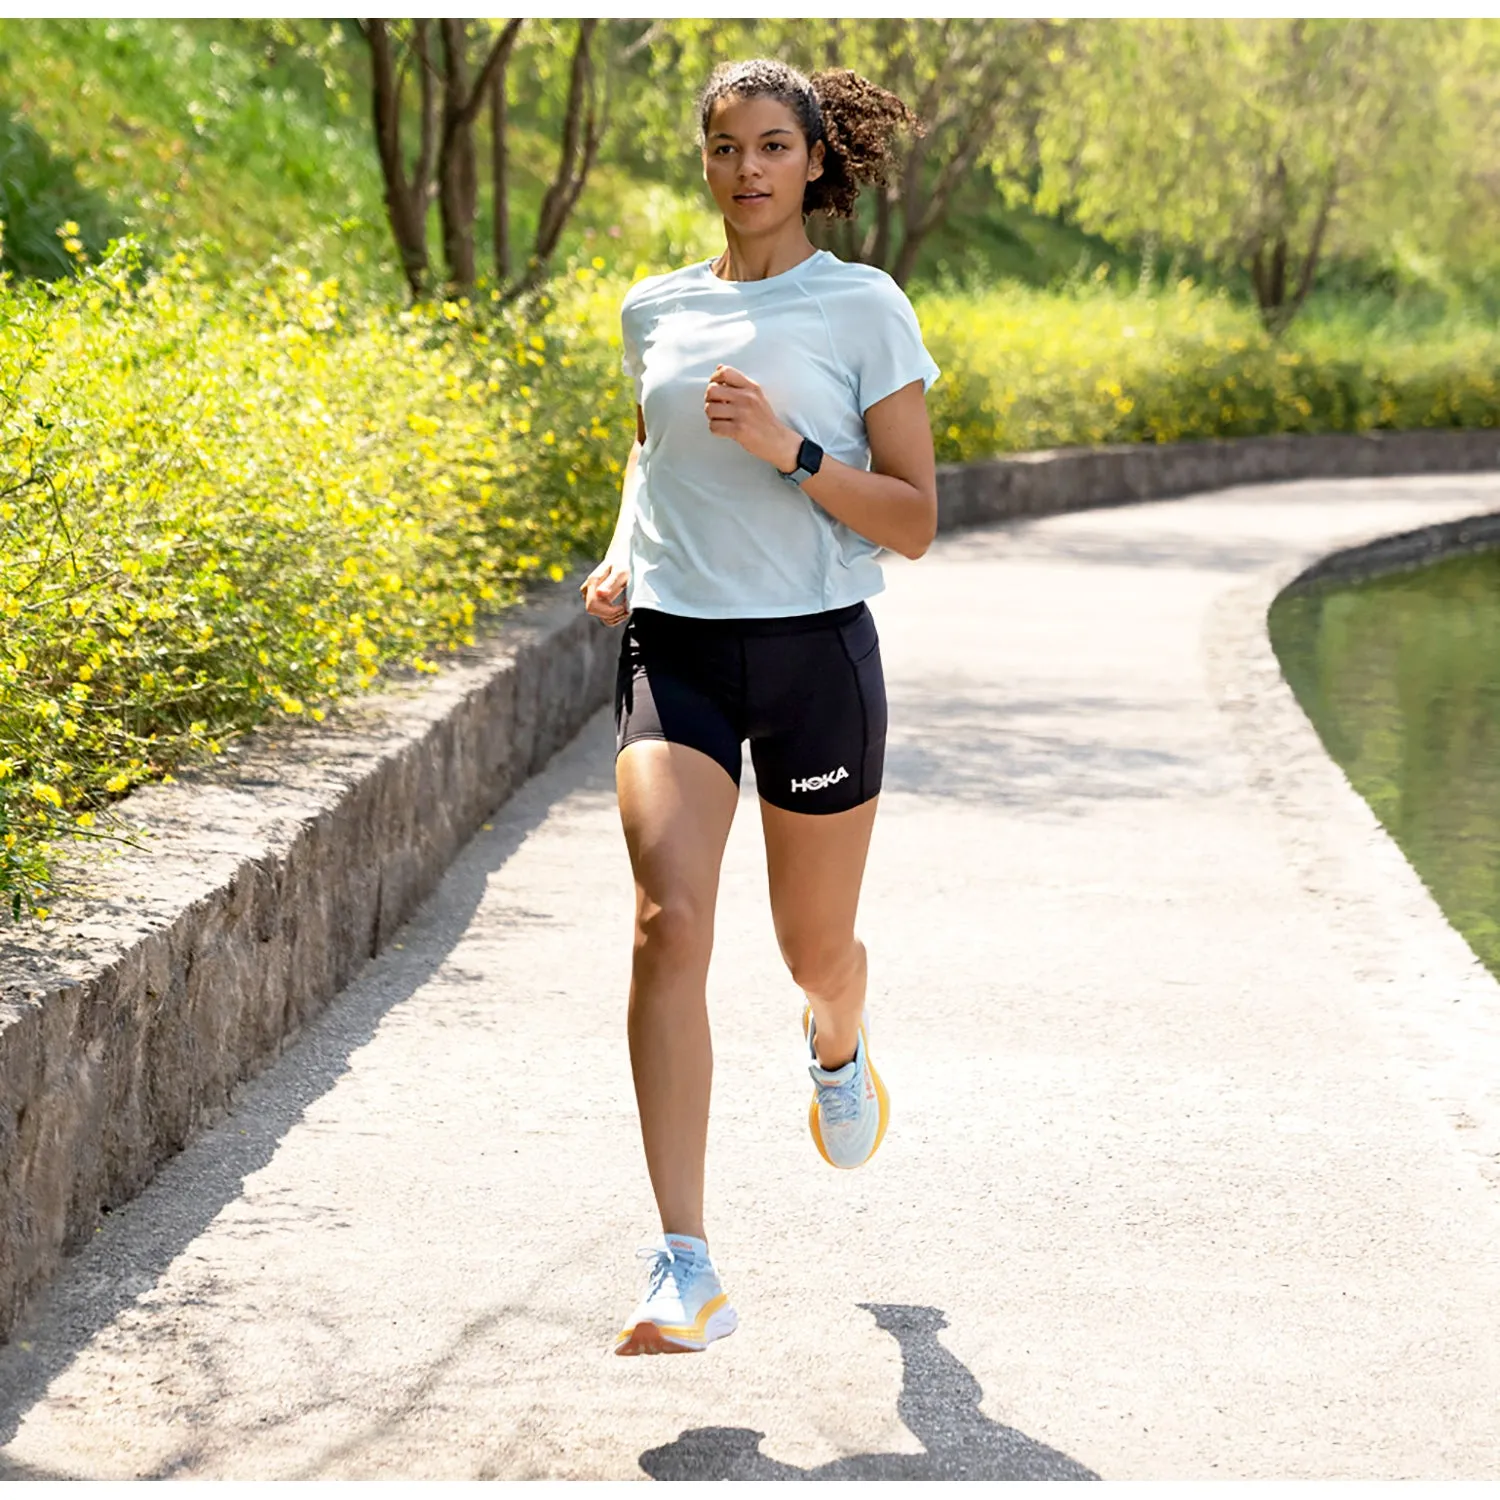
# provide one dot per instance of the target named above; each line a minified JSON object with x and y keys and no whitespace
{"x":815,"y":162}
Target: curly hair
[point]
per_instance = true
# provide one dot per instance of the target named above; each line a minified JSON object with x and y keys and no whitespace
{"x":855,"y":119}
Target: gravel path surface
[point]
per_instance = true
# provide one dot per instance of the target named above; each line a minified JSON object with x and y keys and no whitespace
{"x":1192,"y":1162}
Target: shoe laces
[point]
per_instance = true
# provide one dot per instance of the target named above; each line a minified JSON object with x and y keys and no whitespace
{"x":666,"y":1264}
{"x":841,"y":1102}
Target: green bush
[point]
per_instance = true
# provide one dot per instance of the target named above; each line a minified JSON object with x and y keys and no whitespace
{"x":218,"y":504}
{"x":1028,"y":370}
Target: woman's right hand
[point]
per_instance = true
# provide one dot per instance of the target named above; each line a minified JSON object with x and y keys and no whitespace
{"x":604,"y":593}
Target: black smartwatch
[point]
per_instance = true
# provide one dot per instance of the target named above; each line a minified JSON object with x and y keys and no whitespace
{"x":809,"y":458}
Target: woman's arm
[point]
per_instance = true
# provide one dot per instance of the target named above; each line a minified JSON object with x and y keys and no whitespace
{"x":618,"y":552}
{"x":893,"y":503}
{"x":604,"y":589}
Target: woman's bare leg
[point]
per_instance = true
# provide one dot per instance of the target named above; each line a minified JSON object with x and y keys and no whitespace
{"x":676,"y":805}
{"x":816,"y":864}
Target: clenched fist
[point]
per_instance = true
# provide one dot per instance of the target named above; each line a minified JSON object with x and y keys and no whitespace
{"x":604,"y":593}
{"x":737,"y":408}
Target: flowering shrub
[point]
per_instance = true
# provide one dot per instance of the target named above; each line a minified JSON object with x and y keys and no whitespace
{"x":223,"y":503}
{"x":219,"y":504}
{"x":1027,"y":370}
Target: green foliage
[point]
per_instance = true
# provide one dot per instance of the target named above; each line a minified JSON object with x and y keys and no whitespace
{"x":38,"y":193}
{"x":1325,"y":138}
{"x":219,"y":504}
{"x":221,"y":132}
{"x":1026,"y":370}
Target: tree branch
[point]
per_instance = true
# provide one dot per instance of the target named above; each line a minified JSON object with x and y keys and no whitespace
{"x":654,"y":32}
{"x":1315,"y":248}
{"x":499,"y":55}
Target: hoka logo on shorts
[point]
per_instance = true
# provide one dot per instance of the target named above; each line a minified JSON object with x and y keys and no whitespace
{"x":818,"y":783}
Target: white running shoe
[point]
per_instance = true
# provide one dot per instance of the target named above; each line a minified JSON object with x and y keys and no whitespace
{"x":684,"y":1309}
{"x":850,"y":1107}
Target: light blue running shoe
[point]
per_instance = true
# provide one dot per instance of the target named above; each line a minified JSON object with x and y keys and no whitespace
{"x":684,"y":1309}
{"x":850,"y":1107}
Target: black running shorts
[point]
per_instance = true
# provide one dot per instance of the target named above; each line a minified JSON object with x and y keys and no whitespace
{"x":807,"y":691}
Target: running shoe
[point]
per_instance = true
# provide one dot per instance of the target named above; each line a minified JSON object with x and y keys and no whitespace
{"x":684,"y":1309}
{"x":850,"y":1107}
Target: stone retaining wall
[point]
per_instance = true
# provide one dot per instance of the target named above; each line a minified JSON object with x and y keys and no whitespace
{"x":1408,"y":549}
{"x":187,"y":966}
{"x":1042,"y":484}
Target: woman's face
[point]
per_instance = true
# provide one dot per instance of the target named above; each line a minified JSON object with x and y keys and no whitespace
{"x":756,"y":162}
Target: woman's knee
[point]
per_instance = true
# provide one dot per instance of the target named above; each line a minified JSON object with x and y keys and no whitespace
{"x":675,"y":927}
{"x":821,"y":965}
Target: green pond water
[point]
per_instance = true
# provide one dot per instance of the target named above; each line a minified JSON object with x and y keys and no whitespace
{"x":1401,"y":677}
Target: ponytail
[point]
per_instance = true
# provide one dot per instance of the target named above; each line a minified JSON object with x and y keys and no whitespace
{"x":860,"y":123}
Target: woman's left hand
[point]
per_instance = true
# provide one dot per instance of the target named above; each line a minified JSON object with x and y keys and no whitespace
{"x":737,"y":408}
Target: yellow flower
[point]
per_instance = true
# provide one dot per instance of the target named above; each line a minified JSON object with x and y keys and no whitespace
{"x":85,"y":820}
{"x":44,"y":793}
{"x":117,"y":783}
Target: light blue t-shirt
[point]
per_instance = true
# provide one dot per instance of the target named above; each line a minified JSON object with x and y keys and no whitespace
{"x":715,"y":532}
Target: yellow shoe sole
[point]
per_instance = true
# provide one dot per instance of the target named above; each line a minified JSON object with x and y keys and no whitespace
{"x":717,"y":1320}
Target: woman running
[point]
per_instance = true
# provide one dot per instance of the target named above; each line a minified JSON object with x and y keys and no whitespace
{"x":782,"y":441}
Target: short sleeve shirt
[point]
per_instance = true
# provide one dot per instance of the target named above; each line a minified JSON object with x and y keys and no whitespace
{"x":718,"y":533}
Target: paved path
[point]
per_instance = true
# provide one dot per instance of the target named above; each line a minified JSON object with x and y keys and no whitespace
{"x":1191,"y":1168}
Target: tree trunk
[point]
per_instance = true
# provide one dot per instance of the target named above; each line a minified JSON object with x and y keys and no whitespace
{"x":405,"y":201}
{"x":1268,"y":273}
{"x":457,"y":171}
{"x":424,"y":182}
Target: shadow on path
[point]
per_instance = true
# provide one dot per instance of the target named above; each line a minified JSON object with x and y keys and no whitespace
{"x":939,"y":1403}
{"x":953,"y":743}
